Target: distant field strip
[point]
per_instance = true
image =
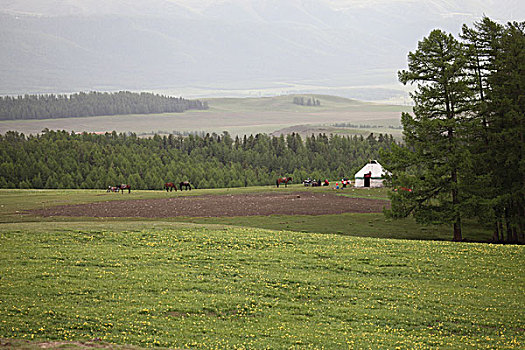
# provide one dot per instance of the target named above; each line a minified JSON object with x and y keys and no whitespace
{"x":239,"y":123}
{"x":238,"y":116}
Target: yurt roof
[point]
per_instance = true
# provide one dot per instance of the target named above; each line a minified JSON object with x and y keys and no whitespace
{"x":374,"y":167}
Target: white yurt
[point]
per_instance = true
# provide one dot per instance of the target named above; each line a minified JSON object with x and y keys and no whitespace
{"x":371,"y":175}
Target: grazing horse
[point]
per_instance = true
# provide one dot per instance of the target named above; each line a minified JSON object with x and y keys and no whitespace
{"x":186,"y":185}
{"x":125,"y":187}
{"x":170,"y":186}
{"x":284,"y":180}
{"x":112,"y":189}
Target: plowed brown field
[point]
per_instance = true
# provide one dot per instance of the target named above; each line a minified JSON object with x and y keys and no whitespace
{"x":296,"y":203}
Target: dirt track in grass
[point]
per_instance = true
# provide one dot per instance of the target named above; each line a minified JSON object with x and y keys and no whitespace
{"x":287,"y":203}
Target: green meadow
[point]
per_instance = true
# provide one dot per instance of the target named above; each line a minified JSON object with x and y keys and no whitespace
{"x":334,"y":282}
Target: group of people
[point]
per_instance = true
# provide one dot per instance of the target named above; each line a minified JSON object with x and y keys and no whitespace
{"x":343,"y":184}
{"x":314,"y":182}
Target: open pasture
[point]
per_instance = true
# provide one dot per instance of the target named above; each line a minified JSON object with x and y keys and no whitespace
{"x":23,"y":206}
{"x":249,"y":204}
{"x":159,"y":282}
{"x":309,"y":130}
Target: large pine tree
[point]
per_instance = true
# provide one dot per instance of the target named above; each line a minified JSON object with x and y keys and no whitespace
{"x":506,"y":128}
{"x":464,"y":153}
{"x":482,"y":43}
{"x":432,"y":164}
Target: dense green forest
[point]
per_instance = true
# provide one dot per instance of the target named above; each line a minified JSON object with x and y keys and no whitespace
{"x":464,"y":142}
{"x":58,"y":159}
{"x":92,"y":104}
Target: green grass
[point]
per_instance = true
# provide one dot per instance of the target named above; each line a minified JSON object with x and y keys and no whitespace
{"x":358,"y":225}
{"x":191,"y":286}
{"x":251,"y":282}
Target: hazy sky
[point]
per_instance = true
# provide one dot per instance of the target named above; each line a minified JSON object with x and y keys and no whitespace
{"x":203,"y":46}
{"x":501,"y":9}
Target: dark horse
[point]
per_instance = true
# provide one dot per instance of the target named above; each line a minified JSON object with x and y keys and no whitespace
{"x":186,"y":185}
{"x":284,"y":180}
{"x":170,"y":186}
{"x":124,"y":187}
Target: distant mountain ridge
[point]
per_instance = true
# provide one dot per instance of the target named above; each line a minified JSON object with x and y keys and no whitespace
{"x":65,"y":45}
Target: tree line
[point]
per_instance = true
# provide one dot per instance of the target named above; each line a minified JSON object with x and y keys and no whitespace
{"x":365,"y":126}
{"x":92,"y":104}
{"x":464,"y":152}
{"x":58,"y":159}
{"x":310,"y":101}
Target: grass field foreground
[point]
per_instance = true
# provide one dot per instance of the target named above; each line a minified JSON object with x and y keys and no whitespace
{"x":192,"y":286}
{"x":231,"y":283}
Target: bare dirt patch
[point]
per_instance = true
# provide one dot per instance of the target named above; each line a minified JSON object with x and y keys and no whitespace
{"x":286,"y":203}
{"x":26,"y":344}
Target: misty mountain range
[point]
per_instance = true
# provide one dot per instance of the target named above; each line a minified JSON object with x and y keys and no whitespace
{"x":205,"y":45}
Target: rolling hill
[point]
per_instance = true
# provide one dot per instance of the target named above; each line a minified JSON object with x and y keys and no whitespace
{"x":239,"y":116}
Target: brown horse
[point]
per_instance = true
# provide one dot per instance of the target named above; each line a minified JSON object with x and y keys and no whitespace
{"x":186,"y":185}
{"x":112,"y":189}
{"x":170,"y":186}
{"x":124,"y":187}
{"x":284,"y":180}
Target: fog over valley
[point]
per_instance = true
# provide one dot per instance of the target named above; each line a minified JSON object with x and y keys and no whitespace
{"x":223,"y":48}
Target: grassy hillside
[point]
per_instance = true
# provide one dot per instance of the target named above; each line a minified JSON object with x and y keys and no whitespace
{"x":192,"y":286}
{"x":239,"y":116}
{"x":283,"y":103}
{"x":225,"y":283}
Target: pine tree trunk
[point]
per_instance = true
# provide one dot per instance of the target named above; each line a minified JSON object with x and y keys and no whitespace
{"x":457,"y":230}
{"x":495,"y":235}
{"x":509,"y":228}
{"x":514,"y":235}
{"x":455,"y":203}
{"x":521,"y":221}
{"x":457,"y":224}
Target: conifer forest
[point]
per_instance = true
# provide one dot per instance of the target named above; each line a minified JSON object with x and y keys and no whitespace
{"x":92,"y":104}
{"x":464,"y":147}
{"x":58,"y":159}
